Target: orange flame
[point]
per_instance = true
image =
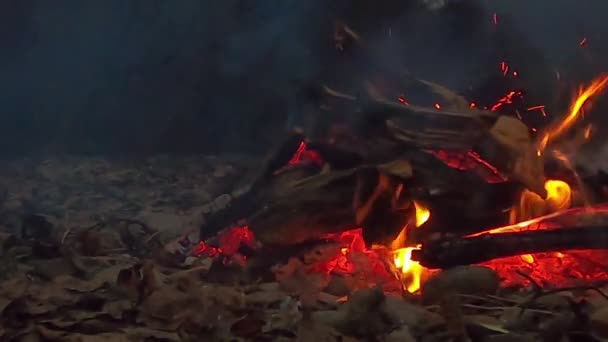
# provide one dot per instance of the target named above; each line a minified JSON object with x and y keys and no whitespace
{"x":556,"y":203}
{"x":403,"y":256}
{"x":596,"y":86}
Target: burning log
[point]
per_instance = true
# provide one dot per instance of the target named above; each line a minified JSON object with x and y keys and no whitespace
{"x":373,"y":183}
{"x":313,"y":207}
{"x":467,"y":165}
{"x":450,"y":252}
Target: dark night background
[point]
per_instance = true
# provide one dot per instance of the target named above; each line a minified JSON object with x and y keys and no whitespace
{"x":190,"y":76}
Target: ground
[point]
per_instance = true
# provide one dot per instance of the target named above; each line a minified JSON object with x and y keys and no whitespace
{"x":92,"y":249}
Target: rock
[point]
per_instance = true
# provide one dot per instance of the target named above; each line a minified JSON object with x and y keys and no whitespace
{"x":332,"y":318}
{"x":359,"y":316}
{"x":186,"y":200}
{"x":36,"y":227}
{"x":369,"y":312}
{"x":514,"y":319}
{"x":221,"y":201}
{"x":402,"y":334}
{"x":7,"y":241}
{"x":400,"y":312}
{"x":554,"y":302}
{"x":599,"y":322}
{"x":164,"y":222}
{"x":338,"y":287}
{"x":463,"y":280}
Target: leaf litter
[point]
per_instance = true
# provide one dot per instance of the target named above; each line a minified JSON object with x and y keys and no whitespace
{"x":120,"y":280}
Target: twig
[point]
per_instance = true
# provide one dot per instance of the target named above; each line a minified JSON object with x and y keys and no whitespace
{"x":507,"y":300}
{"x":491,"y":299}
{"x":65,"y":235}
{"x":539,"y":292}
{"x":502,"y":308}
{"x":490,"y":308}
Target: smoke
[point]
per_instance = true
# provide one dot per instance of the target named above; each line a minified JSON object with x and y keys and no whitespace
{"x":152,"y":76}
{"x":141,"y":75}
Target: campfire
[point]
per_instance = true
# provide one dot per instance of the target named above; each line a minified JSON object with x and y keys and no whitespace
{"x":416,"y":190}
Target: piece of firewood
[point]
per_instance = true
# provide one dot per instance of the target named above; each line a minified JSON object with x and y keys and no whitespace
{"x":450,"y":252}
{"x":247,"y":203}
{"x":310,"y":208}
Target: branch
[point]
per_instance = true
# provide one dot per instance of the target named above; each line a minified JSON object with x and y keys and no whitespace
{"x":450,"y":252}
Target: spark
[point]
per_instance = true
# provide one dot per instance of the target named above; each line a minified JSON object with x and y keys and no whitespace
{"x":495,"y":18}
{"x":541,"y":108}
{"x":504,"y":67}
{"x":507,"y":99}
{"x":583,"y":42}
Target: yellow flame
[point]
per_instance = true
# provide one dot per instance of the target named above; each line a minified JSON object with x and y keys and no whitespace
{"x":559,"y":195}
{"x":422,"y":214}
{"x":412,"y":269}
{"x":596,"y":86}
{"x":528,"y":258}
{"x":403,"y":256}
{"x":558,"y":198}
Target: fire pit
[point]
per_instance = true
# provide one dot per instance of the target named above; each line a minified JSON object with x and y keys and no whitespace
{"x":427,"y":198}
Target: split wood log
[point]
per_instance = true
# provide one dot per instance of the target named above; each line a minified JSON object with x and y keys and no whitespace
{"x":311,"y":208}
{"x":371,"y":179}
{"x":450,"y":252}
{"x":247,"y":203}
{"x":422,"y":127}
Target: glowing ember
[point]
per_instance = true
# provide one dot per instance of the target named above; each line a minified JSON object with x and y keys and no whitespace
{"x":504,"y":67}
{"x":507,"y":99}
{"x":303,"y":154}
{"x":469,"y":161}
{"x":562,"y":126}
{"x":229,"y":243}
{"x":412,"y":270}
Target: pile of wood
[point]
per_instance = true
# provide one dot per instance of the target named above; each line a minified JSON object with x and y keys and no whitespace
{"x":468,"y":166}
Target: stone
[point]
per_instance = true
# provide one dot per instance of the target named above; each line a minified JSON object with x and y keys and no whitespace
{"x":460,"y":280}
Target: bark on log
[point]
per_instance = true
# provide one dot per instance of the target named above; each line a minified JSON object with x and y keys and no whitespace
{"x":247,"y":203}
{"x":300,"y":204}
{"x":310,"y":208}
{"x":450,"y":252}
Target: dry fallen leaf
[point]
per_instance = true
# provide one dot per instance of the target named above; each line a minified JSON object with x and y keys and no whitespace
{"x":599,"y":322}
{"x":90,"y":242}
{"x":297,"y":281}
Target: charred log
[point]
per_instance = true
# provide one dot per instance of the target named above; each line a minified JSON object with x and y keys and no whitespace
{"x":247,"y":203}
{"x":450,"y":252}
{"x":310,"y":208}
